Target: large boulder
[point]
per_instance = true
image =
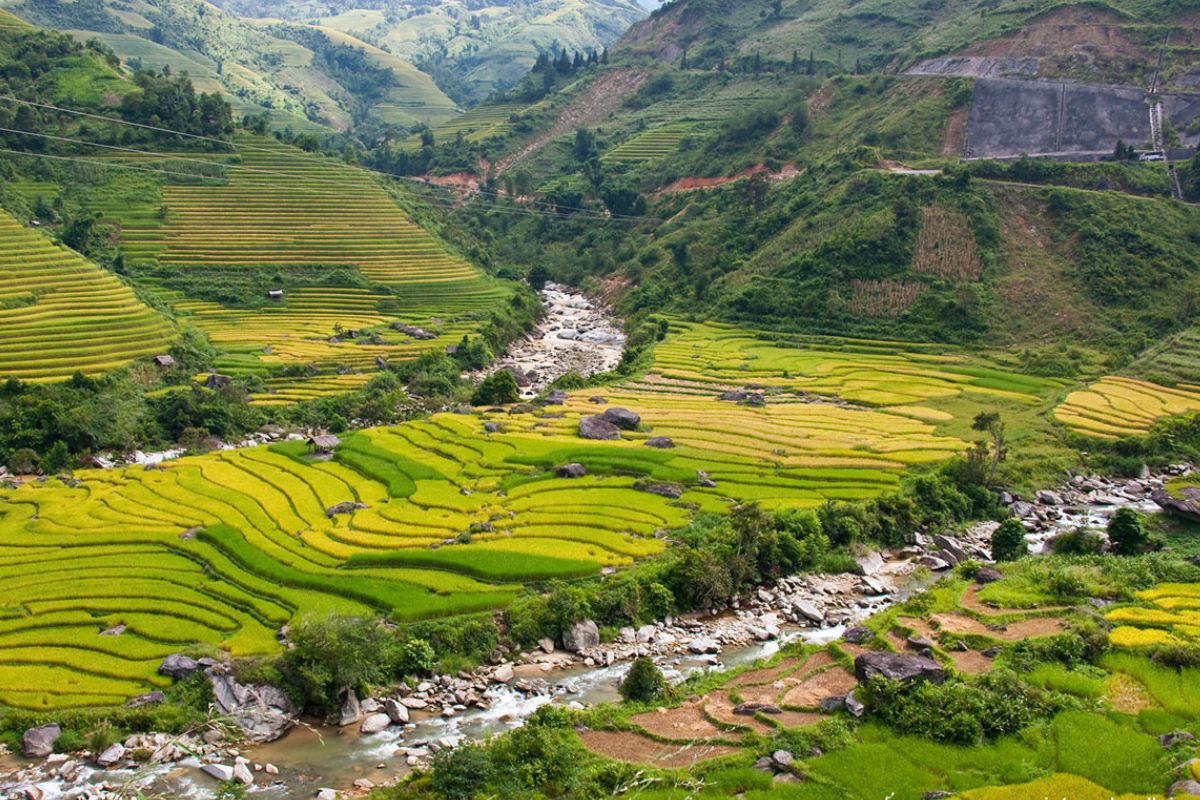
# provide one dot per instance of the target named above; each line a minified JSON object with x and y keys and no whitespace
{"x":220,"y":772}
{"x":111,"y":755}
{"x":376,"y":723}
{"x":350,"y":710}
{"x":570,"y":471}
{"x":39,"y":742}
{"x":148,"y":699}
{"x":1187,"y":509}
{"x":1184,"y":789}
{"x":178,"y":666}
{"x":660,"y":442}
{"x":263,"y":713}
{"x":622,"y":418}
{"x":672,"y":491}
{"x":581,"y":636}
{"x":396,"y":711}
{"x":898,"y":667}
{"x":597,"y":428}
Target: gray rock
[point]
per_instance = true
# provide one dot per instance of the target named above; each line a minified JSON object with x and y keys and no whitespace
{"x":919,"y":643}
{"x":873,"y":587}
{"x":218,"y":771}
{"x":111,"y":755}
{"x":808,"y":611}
{"x":987,"y":575}
{"x":858,"y":634}
{"x":344,"y":507}
{"x":599,"y":429}
{"x":783,"y":758}
{"x":703,"y":479}
{"x":39,"y":742}
{"x":350,"y":711}
{"x":672,"y":491}
{"x":854,"y":705}
{"x":1021,"y":509}
{"x":704,"y":644}
{"x":327,"y":794}
{"x":546,"y":645}
{"x":263,"y":713}
{"x":242,"y":773}
{"x":871,"y":563}
{"x":396,"y":711}
{"x":148,"y":699}
{"x":898,"y":667}
{"x":1184,"y":788}
{"x":1175,"y":737}
{"x":375,"y":723}
{"x":951,"y":548}
{"x":660,"y":442}
{"x":750,"y":709}
{"x":583,"y":635}
{"x":1187,"y":509}
{"x":370,"y":706}
{"x":622,"y":418}
{"x":178,"y":666}
{"x":933,"y":563}
{"x":571,"y":471}
{"x":831,"y":705}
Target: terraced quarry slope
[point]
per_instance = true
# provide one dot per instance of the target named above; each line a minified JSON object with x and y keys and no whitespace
{"x":59,"y":313}
{"x":223,"y":548}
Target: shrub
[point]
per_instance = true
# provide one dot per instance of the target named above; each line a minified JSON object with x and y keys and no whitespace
{"x":1008,"y":541}
{"x":1127,"y":533}
{"x":962,"y":712}
{"x":496,"y":389}
{"x":461,"y":773}
{"x":643,"y":683}
{"x":1077,"y":543}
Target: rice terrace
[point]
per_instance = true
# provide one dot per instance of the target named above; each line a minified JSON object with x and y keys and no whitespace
{"x":599,"y":398}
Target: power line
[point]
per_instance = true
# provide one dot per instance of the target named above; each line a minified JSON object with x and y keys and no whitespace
{"x":297,"y":156}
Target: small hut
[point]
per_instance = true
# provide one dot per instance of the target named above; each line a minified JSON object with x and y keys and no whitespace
{"x":324,"y":443}
{"x":275,"y":294}
{"x":164,"y":361}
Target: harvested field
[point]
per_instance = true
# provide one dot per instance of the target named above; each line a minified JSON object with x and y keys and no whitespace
{"x":636,"y":749}
{"x":1115,"y":407}
{"x":946,"y":246}
{"x":815,"y":688}
{"x":686,"y":722}
{"x":1008,"y":632}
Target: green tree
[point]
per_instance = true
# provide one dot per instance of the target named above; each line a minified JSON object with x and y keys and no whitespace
{"x":1127,"y":533}
{"x":989,"y":422}
{"x":643,"y":683}
{"x":496,"y":389}
{"x":57,"y":458}
{"x":1008,"y":541}
{"x":461,"y":773}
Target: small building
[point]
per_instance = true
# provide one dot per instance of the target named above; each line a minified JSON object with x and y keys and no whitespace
{"x":323,"y":443}
{"x":275,"y":294}
{"x":164,"y":361}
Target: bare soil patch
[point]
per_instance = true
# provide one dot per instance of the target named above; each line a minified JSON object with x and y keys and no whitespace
{"x":798,"y":719}
{"x":970,"y":662}
{"x":769,"y":674}
{"x":719,"y":707}
{"x":692,"y":184}
{"x":885,"y":299}
{"x":601,"y":97}
{"x":814,"y":689}
{"x":954,"y":142}
{"x":946,"y":246}
{"x":1126,"y":695}
{"x":1010,"y":632}
{"x":1077,"y":30}
{"x":636,"y":749}
{"x":686,"y":722}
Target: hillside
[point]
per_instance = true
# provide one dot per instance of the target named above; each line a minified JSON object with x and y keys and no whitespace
{"x":471,"y":49}
{"x":302,"y":77}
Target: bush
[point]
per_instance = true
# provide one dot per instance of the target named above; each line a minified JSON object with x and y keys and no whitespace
{"x":1127,"y":533}
{"x":1008,"y":541}
{"x":496,"y":389}
{"x":461,"y":773}
{"x":643,"y":683}
{"x":1077,"y":543}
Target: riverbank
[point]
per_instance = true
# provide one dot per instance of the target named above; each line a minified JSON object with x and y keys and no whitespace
{"x":386,"y":736}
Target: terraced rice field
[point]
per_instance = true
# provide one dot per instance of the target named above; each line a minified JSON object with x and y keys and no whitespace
{"x":302,"y":330}
{"x":650,"y":145}
{"x":60,"y":313}
{"x":1170,"y":616}
{"x":481,"y":122}
{"x":1176,"y":359}
{"x":282,"y":207}
{"x":223,"y":548}
{"x":709,"y":357}
{"x":1114,"y":407}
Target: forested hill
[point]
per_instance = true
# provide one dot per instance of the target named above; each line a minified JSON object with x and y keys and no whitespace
{"x":305,"y":78}
{"x":470,"y":48}
{"x":801,"y":165}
